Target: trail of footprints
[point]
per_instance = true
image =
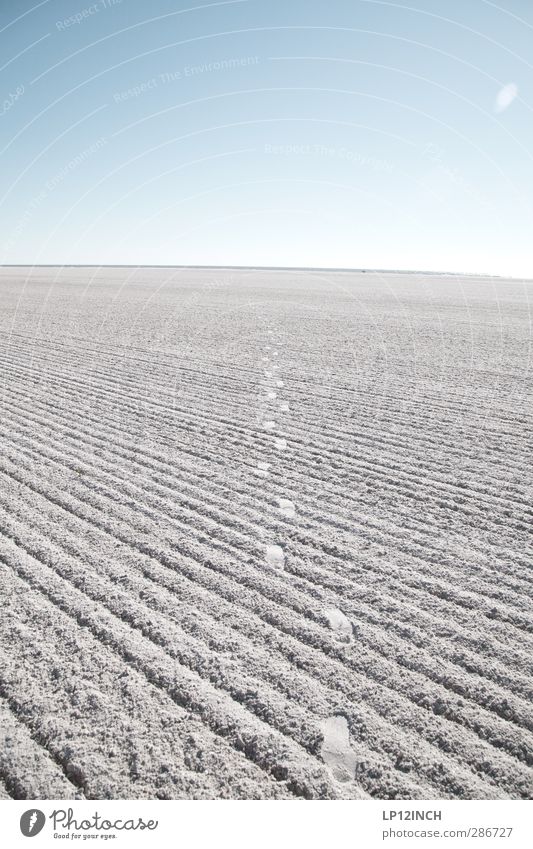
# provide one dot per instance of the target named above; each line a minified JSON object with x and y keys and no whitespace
{"x":336,"y":750}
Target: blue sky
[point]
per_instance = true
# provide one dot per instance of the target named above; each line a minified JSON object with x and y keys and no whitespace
{"x":347,"y":133}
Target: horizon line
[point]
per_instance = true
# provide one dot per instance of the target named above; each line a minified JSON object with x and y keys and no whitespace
{"x":269,"y":268}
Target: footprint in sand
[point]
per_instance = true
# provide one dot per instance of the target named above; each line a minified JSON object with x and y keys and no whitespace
{"x":262,"y":469}
{"x":269,"y":424}
{"x":287,"y":507}
{"x":339,"y":623}
{"x":281,"y":444}
{"x":284,"y":407}
{"x":275,"y":556}
{"x":336,"y":751}
{"x":279,"y":383}
{"x":272,"y":395}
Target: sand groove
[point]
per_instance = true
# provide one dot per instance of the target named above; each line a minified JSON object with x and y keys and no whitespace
{"x":294,"y":566}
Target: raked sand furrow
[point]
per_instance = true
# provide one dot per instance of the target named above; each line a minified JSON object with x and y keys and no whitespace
{"x":374,"y":601}
{"x":366,"y":566}
{"x":463,"y":598}
{"x":189,"y":359}
{"x":278,"y":757}
{"x":270,"y":536}
{"x":223,"y":671}
{"x":413,"y":586}
{"x":464,"y":509}
{"x":365,"y":434}
{"x":193,"y":647}
{"x":304,"y":380}
{"x":461,"y":716}
{"x":83,"y":686}
{"x":26,"y":768}
{"x":210,"y":385}
{"x":451,"y":779}
{"x":328,"y":440}
{"x":369,"y":471}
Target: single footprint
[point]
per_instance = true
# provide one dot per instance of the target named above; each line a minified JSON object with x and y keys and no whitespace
{"x":269,"y":424}
{"x":275,"y":556}
{"x":262,"y":469}
{"x":281,"y":444}
{"x":287,"y":507}
{"x":279,"y":383}
{"x":284,"y":407}
{"x":336,"y":751}
{"x":339,"y":622}
{"x":272,"y":395}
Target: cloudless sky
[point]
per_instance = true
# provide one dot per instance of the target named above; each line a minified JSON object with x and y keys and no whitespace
{"x":336,"y":133}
